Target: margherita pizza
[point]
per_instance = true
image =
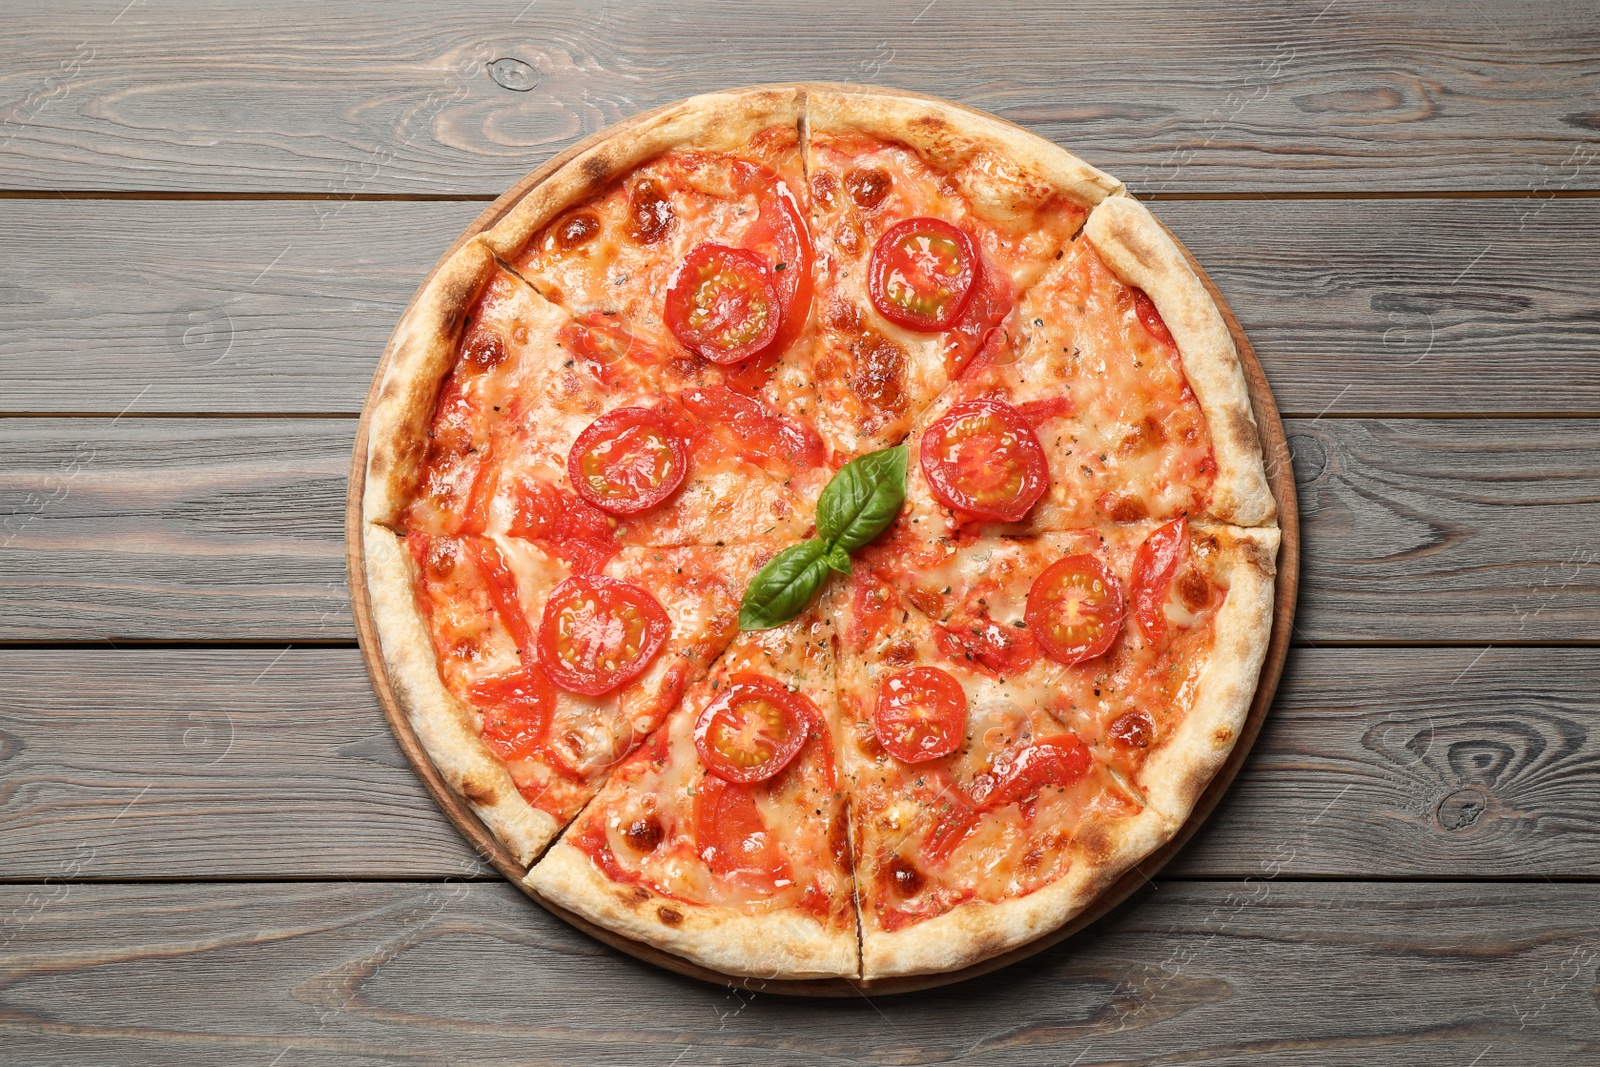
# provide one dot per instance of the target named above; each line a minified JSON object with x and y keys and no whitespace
{"x":821,"y":533}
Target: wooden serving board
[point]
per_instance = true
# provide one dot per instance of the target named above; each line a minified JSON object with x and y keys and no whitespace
{"x":1280,"y":477}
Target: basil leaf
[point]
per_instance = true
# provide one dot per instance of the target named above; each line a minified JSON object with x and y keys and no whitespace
{"x":783,"y":588}
{"x":837,"y":558}
{"x":863,"y":498}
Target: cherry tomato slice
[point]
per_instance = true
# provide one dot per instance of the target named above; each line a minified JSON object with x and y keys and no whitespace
{"x":777,"y":443}
{"x":1153,"y":568}
{"x":753,"y":729}
{"x":921,"y":714}
{"x":516,"y":711}
{"x":733,"y":839}
{"x":1150,"y":317}
{"x":954,"y":819}
{"x":1059,"y":761}
{"x":781,"y":235}
{"x":628,"y":461}
{"x":1075,"y":609}
{"x":722,"y":304}
{"x":503,"y":592}
{"x":982,"y":458}
{"x":922,"y":274}
{"x":598,"y":633}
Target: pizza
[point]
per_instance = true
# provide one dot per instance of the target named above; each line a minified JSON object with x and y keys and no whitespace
{"x":820,"y":533}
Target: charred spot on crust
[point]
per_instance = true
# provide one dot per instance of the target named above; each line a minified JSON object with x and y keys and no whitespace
{"x":644,"y":834}
{"x":471,"y":788}
{"x":670,"y":916}
{"x":1096,"y":841}
{"x":650,"y":214}
{"x":867,"y":185}
{"x":576,"y":230}
{"x":905,"y":878}
{"x":637,"y":895}
{"x":596,"y":169}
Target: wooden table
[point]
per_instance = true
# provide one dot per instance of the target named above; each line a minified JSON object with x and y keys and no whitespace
{"x":211,"y":849}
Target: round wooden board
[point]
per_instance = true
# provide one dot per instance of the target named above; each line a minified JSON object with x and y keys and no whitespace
{"x":1279,"y":475}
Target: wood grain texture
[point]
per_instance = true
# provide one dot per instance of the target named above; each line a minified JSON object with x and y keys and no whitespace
{"x":364,"y":98}
{"x":192,"y":764}
{"x":1404,"y":306}
{"x":155,"y":764}
{"x":1417,"y":531}
{"x":1201,"y":972}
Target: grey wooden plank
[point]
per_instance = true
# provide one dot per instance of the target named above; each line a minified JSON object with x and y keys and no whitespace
{"x":1403,"y":306}
{"x":1417,"y":763}
{"x":1420,"y":531}
{"x":1201,"y":972}
{"x":203,"y":306}
{"x":185,"y":764}
{"x":366,"y":98}
{"x":260,"y":763}
{"x":174,"y":529}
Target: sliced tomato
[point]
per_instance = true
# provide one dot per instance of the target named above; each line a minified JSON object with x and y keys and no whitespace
{"x":954,"y":818}
{"x":771,"y":441}
{"x":981,"y":328}
{"x":922,"y":274}
{"x":1153,"y":568}
{"x":753,"y":729}
{"x":781,"y":235}
{"x":599,"y":338}
{"x":1075,"y":609}
{"x":567,"y":525}
{"x":628,"y":461}
{"x":516,"y":711}
{"x":733,"y":839}
{"x":475,"y":514}
{"x":983,"y":459}
{"x":722,"y":303}
{"x":503,"y":592}
{"x":1150,"y":318}
{"x":598,"y":633}
{"x":921,"y":714}
{"x":1020,"y":776}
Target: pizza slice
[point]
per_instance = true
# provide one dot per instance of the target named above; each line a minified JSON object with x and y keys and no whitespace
{"x":685,"y":259}
{"x":548,"y":677}
{"x":980,"y":820}
{"x":1157,"y":631}
{"x":1114,"y":395}
{"x":528,"y":436}
{"x":723,"y":839}
{"x":929,"y":221}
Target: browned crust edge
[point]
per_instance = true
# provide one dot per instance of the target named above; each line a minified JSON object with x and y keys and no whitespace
{"x":1136,"y":248}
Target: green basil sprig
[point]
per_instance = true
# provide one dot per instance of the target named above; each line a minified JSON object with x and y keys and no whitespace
{"x":858,"y":504}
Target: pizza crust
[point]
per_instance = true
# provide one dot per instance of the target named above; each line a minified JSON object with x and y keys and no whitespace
{"x":975,"y":931}
{"x":1133,"y":244}
{"x":776,"y":945}
{"x":714,"y":122}
{"x":441,"y":723}
{"x":1177,"y":773}
{"x":1007,"y":171}
{"x":421,"y":352}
